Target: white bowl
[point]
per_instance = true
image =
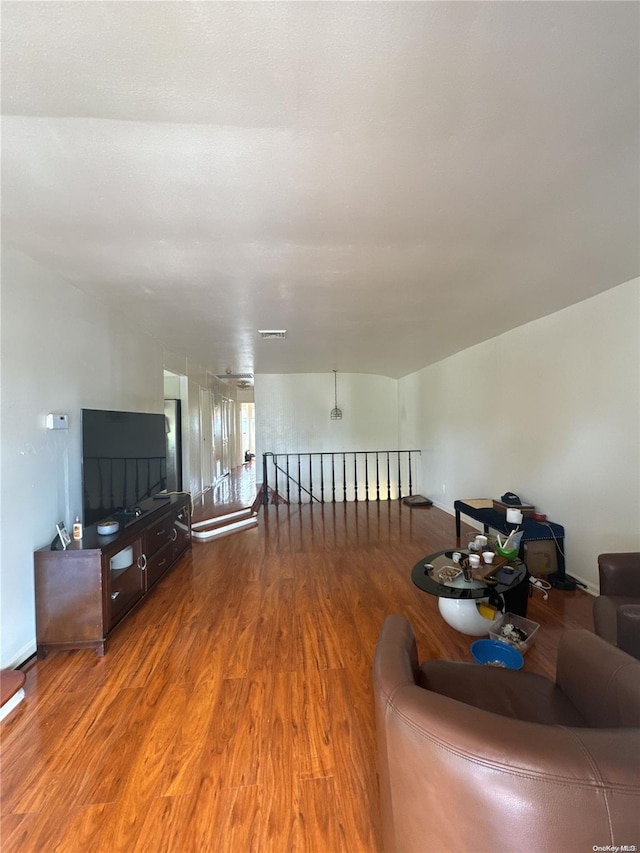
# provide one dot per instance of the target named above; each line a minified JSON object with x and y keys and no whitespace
{"x":123,"y":559}
{"x":108,"y":528}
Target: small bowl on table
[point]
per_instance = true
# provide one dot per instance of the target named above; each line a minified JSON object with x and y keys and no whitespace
{"x":507,"y":553}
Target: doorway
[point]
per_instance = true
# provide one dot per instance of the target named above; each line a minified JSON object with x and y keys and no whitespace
{"x":206,"y":439}
{"x":248,"y":428}
{"x":176,"y":412}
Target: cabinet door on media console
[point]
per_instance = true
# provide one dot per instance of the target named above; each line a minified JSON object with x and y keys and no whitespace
{"x":158,"y":548}
{"x":125,"y":583}
{"x":182,"y":532}
{"x":165,"y":541}
{"x":159,"y":563}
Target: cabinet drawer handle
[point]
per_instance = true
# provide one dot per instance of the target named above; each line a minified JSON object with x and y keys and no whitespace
{"x":142,"y":562}
{"x":160,"y":533}
{"x":174,"y":535}
{"x":161,"y":563}
{"x":114,"y":595}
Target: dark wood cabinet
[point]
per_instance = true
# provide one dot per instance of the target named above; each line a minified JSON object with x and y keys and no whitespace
{"x":84,"y":592}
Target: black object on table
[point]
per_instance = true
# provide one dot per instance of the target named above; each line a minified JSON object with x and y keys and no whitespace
{"x":532,"y":531}
{"x":515,"y":593}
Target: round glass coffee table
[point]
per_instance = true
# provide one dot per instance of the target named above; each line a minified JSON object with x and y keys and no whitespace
{"x":458,"y":598}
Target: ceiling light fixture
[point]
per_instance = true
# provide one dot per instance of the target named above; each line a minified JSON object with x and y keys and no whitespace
{"x":336,"y":413}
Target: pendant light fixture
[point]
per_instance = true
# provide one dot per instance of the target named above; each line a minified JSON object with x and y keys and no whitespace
{"x":336,"y":413}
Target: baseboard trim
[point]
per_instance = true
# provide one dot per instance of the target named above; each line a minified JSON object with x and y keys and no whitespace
{"x":21,"y":656}
{"x":8,"y":706}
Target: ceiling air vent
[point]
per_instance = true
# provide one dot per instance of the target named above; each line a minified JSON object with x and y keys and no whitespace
{"x":272,"y":334}
{"x":235,"y":376}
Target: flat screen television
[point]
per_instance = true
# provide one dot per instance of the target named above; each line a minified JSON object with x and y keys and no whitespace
{"x":124,"y":462}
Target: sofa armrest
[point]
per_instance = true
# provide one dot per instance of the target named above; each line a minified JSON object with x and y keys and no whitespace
{"x":396,"y":657}
{"x":442,"y":757}
{"x":628,"y":619}
{"x":600,"y":680}
{"x":619,"y":573}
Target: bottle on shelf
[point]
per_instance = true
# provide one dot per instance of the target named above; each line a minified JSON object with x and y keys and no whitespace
{"x":77,"y":529}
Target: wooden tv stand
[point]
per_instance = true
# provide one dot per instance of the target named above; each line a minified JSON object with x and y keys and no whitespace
{"x":84,"y":592}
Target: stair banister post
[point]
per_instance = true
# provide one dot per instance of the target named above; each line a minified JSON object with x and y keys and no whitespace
{"x":265,"y":479}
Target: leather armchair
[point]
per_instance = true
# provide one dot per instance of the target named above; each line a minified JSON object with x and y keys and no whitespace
{"x":616,"y":611}
{"x":477,"y":758}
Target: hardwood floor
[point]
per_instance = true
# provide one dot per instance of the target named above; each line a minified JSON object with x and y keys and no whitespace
{"x":236,"y":491}
{"x":233,"y":712}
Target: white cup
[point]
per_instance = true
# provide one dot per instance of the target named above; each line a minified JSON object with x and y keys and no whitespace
{"x":481,"y":541}
{"x":456,"y":556}
{"x":488,"y":556}
{"x":474,"y":560}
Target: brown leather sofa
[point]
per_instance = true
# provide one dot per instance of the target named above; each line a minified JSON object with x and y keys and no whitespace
{"x":616,"y":611}
{"x":476,"y":759}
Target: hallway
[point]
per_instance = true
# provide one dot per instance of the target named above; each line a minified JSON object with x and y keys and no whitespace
{"x":234,"y":492}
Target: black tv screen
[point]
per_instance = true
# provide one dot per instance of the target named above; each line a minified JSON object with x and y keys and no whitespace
{"x":123,"y":461}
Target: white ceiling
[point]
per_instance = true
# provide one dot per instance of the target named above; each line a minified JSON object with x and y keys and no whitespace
{"x":390,"y":182}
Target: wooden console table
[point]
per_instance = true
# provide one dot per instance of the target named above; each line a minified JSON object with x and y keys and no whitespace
{"x":84,"y":592}
{"x":532,"y":531}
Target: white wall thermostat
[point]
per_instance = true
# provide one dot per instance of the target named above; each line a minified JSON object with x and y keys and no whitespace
{"x":57,"y":422}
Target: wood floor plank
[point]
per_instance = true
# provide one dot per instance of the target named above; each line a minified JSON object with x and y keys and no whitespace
{"x":315,"y":748}
{"x":355,"y":784}
{"x":319,"y":826}
{"x":150,"y":775}
{"x":181,"y":762}
{"x":45,"y":830}
{"x":320,"y":645}
{"x":230,"y":747}
{"x":240,"y":818}
{"x":180,"y":824}
{"x":233,"y":712}
{"x":15,"y":831}
{"x":275,"y":647}
{"x":27,"y":762}
{"x":101,"y":763}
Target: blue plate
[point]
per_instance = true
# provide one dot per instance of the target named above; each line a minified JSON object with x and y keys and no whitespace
{"x":497,"y":653}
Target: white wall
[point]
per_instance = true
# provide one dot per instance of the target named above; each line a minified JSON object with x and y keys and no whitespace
{"x":551,"y":411}
{"x":62,"y":351}
{"x":292,"y":413}
{"x":293,"y":416}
